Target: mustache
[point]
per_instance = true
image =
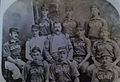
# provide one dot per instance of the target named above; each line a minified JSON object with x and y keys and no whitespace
{"x":57,"y":30}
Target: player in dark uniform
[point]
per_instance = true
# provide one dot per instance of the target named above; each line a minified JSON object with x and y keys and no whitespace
{"x":38,"y":69}
{"x":63,"y":70}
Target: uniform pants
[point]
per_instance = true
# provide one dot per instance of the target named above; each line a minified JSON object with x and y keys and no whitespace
{"x":16,"y":74}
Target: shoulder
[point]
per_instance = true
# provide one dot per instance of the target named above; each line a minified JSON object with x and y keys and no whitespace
{"x":45,"y":63}
{"x":66,"y":35}
{"x":6,"y":44}
{"x":87,"y":40}
{"x":28,"y":64}
{"x":49,"y":36}
{"x":72,"y":63}
{"x":43,"y":37}
{"x":29,"y":39}
{"x":112,"y":42}
{"x":97,"y":42}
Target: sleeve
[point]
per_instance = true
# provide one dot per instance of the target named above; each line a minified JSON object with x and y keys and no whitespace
{"x":26,"y":70}
{"x":74,"y":70}
{"x":94,"y":48}
{"x":70,"y":47}
{"x":116,"y":50}
{"x":47,"y":72}
{"x":94,"y":79}
{"x":48,"y":57}
{"x":52,"y":73}
{"x":116,"y":75}
{"x":6,"y":50}
{"x":105,"y":25}
{"x":88,"y":46}
{"x":86,"y":28}
{"x":27,"y":51}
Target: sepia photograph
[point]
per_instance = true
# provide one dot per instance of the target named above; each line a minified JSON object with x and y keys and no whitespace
{"x":60,"y":41}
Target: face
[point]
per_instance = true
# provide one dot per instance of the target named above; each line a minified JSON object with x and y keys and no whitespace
{"x":94,"y":11}
{"x":106,"y":60}
{"x":45,"y":12}
{"x":36,"y":56}
{"x":35,"y":31}
{"x":57,"y":28}
{"x":80,"y":32}
{"x":14,"y":35}
{"x":104,"y":35}
{"x":55,"y":56}
{"x":62,"y":54}
{"x":69,"y":13}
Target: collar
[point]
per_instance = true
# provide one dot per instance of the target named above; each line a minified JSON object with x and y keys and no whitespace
{"x":108,"y":40}
{"x":82,"y":38}
{"x":13,"y":41}
{"x":38,"y":64}
{"x":95,"y":18}
{"x":63,"y":62}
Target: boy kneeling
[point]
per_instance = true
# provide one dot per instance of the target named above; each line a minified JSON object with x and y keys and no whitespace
{"x":38,"y":69}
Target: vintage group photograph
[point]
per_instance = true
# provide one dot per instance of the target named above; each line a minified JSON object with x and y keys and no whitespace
{"x":61,"y":41}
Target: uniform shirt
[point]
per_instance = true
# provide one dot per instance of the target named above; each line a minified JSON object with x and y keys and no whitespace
{"x":34,"y":41}
{"x":95,"y":26}
{"x":69,"y":26}
{"x":108,"y":74}
{"x":55,"y":41}
{"x":12,"y":48}
{"x":81,"y":47}
{"x":109,"y":47}
{"x":63,"y":72}
{"x":45,"y":26}
{"x":36,"y":72}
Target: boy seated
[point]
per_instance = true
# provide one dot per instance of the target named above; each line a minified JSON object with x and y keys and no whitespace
{"x":63,"y":70}
{"x":38,"y":69}
{"x":105,"y":72}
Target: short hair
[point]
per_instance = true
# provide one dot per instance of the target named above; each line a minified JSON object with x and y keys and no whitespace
{"x":13,"y":30}
{"x":68,"y":8}
{"x":94,"y":6}
{"x":55,"y":23}
{"x":79,"y":26}
{"x":44,"y":7}
{"x":35,"y":49}
{"x":105,"y":31}
{"x":63,"y":47}
{"x":35,"y":26}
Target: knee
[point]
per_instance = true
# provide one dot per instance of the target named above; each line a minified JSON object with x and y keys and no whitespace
{"x":10,"y":66}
